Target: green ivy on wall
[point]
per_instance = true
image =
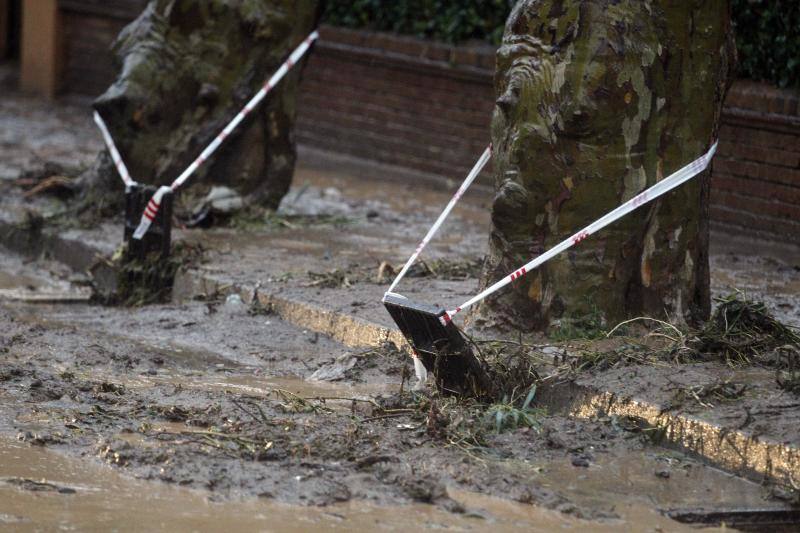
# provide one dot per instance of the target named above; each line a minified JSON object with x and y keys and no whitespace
{"x":768,"y":31}
{"x":451,"y":21}
{"x":768,"y":39}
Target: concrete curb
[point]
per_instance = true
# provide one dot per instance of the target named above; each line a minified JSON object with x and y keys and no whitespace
{"x":351,"y":331}
{"x":732,"y":450}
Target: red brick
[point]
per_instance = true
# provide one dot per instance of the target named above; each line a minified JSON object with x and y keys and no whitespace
{"x":426,"y":112}
{"x":366,"y":130}
{"x":787,"y":230}
{"x":761,"y":97}
{"x":88,"y":60}
{"x":402,"y":103}
{"x":419,"y":85}
{"x":774,"y":209}
{"x":759,"y":154}
{"x":757,"y":188}
{"x":410,"y":134}
{"x":759,"y":137}
{"x":749,"y":169}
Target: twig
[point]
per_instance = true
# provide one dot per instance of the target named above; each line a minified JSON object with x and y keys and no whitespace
{"x":223,"y":436}
{"x":254,"y":417}
{"x":343,"y":399}
{"x":665,"y":324}
{"x":389,"y":415}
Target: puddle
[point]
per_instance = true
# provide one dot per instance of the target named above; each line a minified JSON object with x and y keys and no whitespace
{"x":94,"y":496}
{"x":45,"y":296}
{"x":308,"y":389}
{"x":660,"y":479}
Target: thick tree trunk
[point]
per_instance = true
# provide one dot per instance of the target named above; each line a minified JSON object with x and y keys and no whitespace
{"x":186,"y":68}
{"x":597,"y":100}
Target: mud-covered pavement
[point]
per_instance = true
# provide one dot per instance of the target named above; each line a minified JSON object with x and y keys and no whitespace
{"x":34,"y":132}
{"x":222,"y":397}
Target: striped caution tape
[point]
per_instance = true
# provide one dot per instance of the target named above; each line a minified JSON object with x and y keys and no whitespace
{"x":476,"y":170}
{"x":152,"y":207}
{"x":151,"y":210}
{"x":662,"y":187}
{"x":112,"y":149}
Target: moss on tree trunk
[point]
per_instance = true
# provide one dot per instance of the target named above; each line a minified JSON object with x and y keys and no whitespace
{"x":186,"y":67}
{"x":596,"y":101}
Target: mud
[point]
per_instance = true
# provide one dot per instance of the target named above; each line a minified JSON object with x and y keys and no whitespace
{"x":104,"y":499}
{"x":772,"y":280}
{"x":197,"y":396}
{"x":35,"y":132}
{"x":161,"y":396}
{"x":747,"y":398}
{"x":87,"y":398}
{"x":208,"y":398}
{"x":57,"y":283}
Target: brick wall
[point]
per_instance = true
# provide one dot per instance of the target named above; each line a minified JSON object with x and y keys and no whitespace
{"x":89,"y":27}
{"x":398,"y":100}
{"x":756,"y":181}
{"x":5,"y":24}
{"x":406,"y":102}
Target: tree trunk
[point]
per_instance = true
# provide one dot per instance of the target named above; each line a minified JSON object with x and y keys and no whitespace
{"x":186,"y":68}
{"x":596,"y":101}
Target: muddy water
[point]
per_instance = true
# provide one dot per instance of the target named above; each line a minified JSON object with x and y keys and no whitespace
{"x":11,"y":281}
{"x":613,"y":484}
{"x":35,"y":130}
{"x":631,"y":480}
{"x":85,"y":496}
{"x":256,"y":385}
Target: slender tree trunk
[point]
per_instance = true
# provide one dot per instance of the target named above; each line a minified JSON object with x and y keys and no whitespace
{"x":596,"y":101}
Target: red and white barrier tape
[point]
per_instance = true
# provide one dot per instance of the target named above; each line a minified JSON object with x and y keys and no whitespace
{"x":487,"y":154}
{"x":112,"y":149}
{"x":151,"y":210}
{"x":149,"y":215}
{"x":662,"y":187}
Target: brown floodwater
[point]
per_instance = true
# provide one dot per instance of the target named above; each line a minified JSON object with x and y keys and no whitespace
{"x":43,"y":489}
{"x":87,"y":496}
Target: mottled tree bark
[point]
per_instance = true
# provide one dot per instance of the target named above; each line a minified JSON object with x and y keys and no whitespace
{"x":186,"y":68}
{"x":596,"y":101}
